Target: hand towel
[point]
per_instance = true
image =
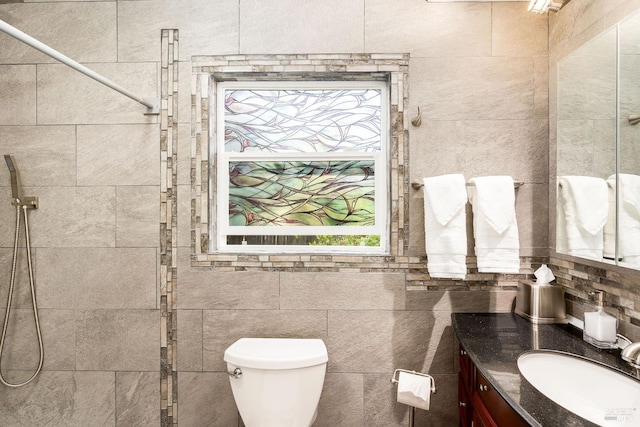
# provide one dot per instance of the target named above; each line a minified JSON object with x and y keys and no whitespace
{"x":445,"y":226}
{"x":609,"y":249}
{"x":584,"y":208}
{"x":629,"y":219}
{"x":495,"y":229}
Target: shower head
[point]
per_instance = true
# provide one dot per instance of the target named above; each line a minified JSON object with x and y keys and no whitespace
{"x":9,"y":160}
{"x":15,"y":193}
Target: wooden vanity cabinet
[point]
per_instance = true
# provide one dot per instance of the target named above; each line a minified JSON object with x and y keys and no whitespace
{"x":479,"y":404}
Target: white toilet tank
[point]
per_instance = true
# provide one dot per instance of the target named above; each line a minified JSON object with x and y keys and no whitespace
{"x":281,"y":380}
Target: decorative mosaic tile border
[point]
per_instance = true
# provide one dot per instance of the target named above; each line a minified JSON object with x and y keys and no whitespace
{"x":418,"y":277}
{"x":620,"y":286}
{"x":168,"y":227}
{"x":332,"y":66}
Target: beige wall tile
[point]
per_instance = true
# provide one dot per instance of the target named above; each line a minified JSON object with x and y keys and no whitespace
{"x":137,"y":215}
{"x":541,"y":90}
{"x":337,"y":26}
{"x":517,"y":32}
{"x":473,"y":88}
{"x":43,"y":155}
{"x":21,"y":351}
{"x":221,"y":328}
{"x":226,"y":290}
{"x":184,"y":216}
{"x":341,"y":402}
{"x":184,"y":94}
{"x":206,"y":399}
{"x":517,"y":148}
{"x":18,"y":95}
{"x":432,"y":151}
{"x":85,"y":32}
{"x":532,"y":213}
{"x":68,"y":97}
{"x":137,"y":402}
{"x":190,"y":340}
{"x":184,"y":154}
{"x":79,"y":399}
{"x":428,"y":29}
{"x":375,"y":341}
{"x":73,"y":217}
{"x":204,"y":28}
{"x":461,"y":301}
{"x":122,"y":340}
{"x":21,"y":297}
{"x":578,"y":16}
{"x":118,"y":155}
{"x":347,"y":291}
{"x":93,"y":278}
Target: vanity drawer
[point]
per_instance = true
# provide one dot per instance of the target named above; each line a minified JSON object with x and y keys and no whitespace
{"x":501,"y":413}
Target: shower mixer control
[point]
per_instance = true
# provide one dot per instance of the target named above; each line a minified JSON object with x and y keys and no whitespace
{"x":28,"y":202}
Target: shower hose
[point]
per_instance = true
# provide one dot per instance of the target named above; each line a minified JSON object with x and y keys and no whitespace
{"x":10,"y":296}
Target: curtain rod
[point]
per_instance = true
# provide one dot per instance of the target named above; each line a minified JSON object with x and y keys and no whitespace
{"x":152,"y":104}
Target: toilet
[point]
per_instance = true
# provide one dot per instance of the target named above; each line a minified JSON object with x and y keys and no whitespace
{"x":277,"y":382}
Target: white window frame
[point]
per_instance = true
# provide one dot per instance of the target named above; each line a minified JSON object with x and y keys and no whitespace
{"x":381,"y":164}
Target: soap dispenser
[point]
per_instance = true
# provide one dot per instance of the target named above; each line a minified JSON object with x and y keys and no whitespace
{"x":600,"y":328}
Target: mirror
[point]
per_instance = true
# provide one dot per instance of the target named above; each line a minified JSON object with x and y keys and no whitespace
{"x":598,"y":150}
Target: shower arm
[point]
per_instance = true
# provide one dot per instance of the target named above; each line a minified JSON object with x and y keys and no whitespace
{"x":152,"y":104}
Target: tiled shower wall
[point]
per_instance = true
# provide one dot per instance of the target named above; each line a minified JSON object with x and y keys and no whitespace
{"x":477,"y":69}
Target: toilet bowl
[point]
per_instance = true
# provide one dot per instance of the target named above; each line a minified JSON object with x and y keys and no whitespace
{"x":277,"y":382}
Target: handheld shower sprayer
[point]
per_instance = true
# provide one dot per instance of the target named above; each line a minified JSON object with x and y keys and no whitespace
{"x":22,"y":205}
{"x":15,"y":187}
{"x":16,"y":193}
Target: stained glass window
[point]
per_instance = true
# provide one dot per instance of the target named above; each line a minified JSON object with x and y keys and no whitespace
{"x":302,"y":166}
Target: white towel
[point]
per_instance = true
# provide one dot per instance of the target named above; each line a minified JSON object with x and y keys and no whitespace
{"x":445,"y":226}
{"x":497,"y":245}
{"x":609,"y":249}
{"x":629,"y":219}
{"x":583,"y":206}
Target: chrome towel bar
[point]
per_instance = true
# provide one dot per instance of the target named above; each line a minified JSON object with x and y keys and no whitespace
{"x":416,"y":185}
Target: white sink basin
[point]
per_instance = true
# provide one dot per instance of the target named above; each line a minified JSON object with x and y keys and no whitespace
{"x":588,"y":389}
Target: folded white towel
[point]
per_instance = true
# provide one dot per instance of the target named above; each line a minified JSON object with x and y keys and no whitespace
{"x":495,"y":229}
{"x":629,"y":219}
{"x":583,"y":206}
{"x":609,"y":250}
{"x":445,"y":226}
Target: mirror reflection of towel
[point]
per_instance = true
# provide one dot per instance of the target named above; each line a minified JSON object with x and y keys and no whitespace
{"x":629,"y":219}
{"x":445,"y":226}
{"x":582,"y":211}
{"x":495,"y":229}
{"x":609,"y":250}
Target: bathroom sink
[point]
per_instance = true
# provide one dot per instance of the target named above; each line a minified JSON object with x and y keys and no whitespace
{"x":591,"y":390}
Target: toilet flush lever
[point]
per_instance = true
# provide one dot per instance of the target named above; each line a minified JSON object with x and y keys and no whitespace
{"x":237,"y":373}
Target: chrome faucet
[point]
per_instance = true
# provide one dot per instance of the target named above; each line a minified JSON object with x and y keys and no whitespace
{"x":631,"y":354}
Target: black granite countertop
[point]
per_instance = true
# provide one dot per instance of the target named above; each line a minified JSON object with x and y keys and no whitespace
{"x":494,"y":341}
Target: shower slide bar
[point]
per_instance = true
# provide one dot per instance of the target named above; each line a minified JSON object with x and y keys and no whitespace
{"x":152,"y":104}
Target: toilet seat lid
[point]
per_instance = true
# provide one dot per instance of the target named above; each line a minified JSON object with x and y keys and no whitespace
{"x":276,"y":353}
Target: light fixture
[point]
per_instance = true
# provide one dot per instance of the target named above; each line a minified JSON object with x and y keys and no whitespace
{"x":542,"y":6}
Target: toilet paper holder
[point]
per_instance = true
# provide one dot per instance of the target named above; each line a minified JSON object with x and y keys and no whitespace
{"x":394,"y":380}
